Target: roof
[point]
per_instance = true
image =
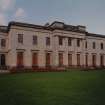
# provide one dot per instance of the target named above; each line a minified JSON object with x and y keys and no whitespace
{"x":26,"y":25}
{"x":3,"y":29}
{"x":55,"y":25}
{"x":95,"y":35}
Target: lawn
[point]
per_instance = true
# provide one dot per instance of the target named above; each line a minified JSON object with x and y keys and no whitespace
{"x":53,"y":88}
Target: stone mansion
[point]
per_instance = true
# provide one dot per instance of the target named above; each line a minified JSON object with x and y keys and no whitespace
{"x":51,"y":45}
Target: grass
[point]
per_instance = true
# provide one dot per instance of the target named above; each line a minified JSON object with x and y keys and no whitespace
{"x":53,"y":88}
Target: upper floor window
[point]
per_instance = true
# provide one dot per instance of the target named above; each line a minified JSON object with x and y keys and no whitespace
{"x":86,"y":44}
{"x":3,"y":42}
{"x":60,"y":41}
{"x":20,"y":38}
{"x":94,"y":45}
{"x":69,"y":41}
{"x":47,"y":40}
{"x":78,"y":42}
{"x":34,"y":40}
{"x":102,"y":46}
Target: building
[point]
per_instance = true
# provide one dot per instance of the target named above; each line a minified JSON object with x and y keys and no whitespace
{"x":52,"y":45}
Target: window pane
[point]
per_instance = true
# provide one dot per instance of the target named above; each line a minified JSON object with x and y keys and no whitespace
{"x":60,"y":59}
{"x":102,"y":60}
{"x":20,"y":38}
{"x":69,"y":41}
{"x":78,"y":42}
{"x":102,"y":46}
{"x":94,"y":60}
{"x":60,"y":41}
{"x":34,"y":40}
{"x":70,"y":59}
{"x":86,"y":44}
{"x":3,"y":42}
{"x":78,"y":59}
{"x":20,"y":59}
{"x":47,"y":41}
{"x":94,"y":45}
{"x":35,"y":59}
{"x":86,"y":59}
{"x":48,"y":59}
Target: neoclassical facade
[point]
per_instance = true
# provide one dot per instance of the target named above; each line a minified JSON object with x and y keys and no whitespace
{"x":51,"y":45}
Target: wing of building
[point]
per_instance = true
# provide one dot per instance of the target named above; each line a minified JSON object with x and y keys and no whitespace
{"x":52,"y":45}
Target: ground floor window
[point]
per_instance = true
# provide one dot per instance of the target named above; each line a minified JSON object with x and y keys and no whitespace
{"x":2,"y":60}
{"x":86,"y":59}
{"x":19,"y":59}
{"x":101,"y":60}
{"x":70,"y":59}
{"x":35,"y":59}
{"x":93,"y":60}
{"x":78,"y":59}
{"x":60,"y":59}
{"x":48,"y":59}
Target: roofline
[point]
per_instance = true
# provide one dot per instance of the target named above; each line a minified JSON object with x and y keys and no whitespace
{"x":38,"y":26}
{"x":3,"y":30}
{"x":21,"y":24}
{"x":95,"y":35}
{"x":13,"y":23}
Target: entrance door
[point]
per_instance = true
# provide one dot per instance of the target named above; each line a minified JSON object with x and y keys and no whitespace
{"x":2,"y":60}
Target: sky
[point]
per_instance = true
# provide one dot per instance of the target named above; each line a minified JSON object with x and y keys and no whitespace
{"x":90,"y":13}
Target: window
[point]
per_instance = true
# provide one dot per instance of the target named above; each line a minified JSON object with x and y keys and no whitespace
{"x":78,"y":42}
{"x":69,"y":41}
{"x":94,"y":60}
{"x":20,"y":38}
{"x":102,"y":46}
{"x":48,"y":59}
{"x":70,"y":59}
{"x":35,"y":59}
{"x":60,"y":59}
{"x":86,"y":44}
{"x":101,"y":60}
{"x":2,"y":60}
{"x":48,"y":41}
{"x":78,"y":59}
{"x":94,"y":45}
{"x":3,"y":42}
{"x":60,"y":41}
{"x":34,"y":40}
{"x":86,"y":59}
{"x":20,"y":59}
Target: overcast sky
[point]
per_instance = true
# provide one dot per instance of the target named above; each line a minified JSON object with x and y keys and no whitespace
{"x":90,"y":13}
